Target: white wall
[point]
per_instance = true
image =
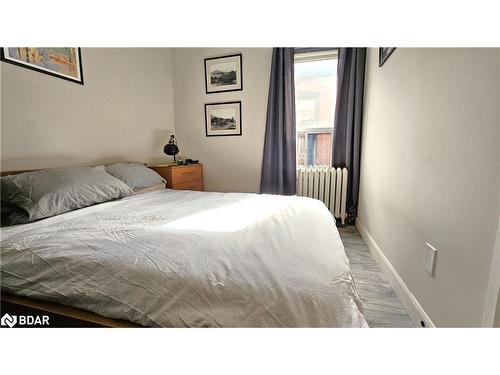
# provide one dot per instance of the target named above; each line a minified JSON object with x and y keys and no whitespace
{"x":495,"y":276}
{"x":492,"y":304}
{"x":122,"y":113}
{"x":497,"y":316}
{"x":429,"y":173}
{"x":230,"y":163}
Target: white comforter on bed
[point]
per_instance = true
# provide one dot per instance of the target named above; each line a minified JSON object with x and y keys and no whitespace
{"x":197,"y":259}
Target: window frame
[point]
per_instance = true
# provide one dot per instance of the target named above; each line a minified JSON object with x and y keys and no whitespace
{"x":300,"y":57}
{"x":304,"y":57}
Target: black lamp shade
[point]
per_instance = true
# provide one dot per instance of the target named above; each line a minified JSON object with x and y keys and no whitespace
{"x":171,"y":149}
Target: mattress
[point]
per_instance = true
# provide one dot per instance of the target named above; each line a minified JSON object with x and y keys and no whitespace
{"x":189,"y":259}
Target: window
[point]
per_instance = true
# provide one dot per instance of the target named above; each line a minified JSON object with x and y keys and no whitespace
{"x":315,"y":96}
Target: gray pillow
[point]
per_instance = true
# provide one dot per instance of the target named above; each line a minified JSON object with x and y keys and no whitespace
{"x":151,"y":188}
{"x":135,"y":175}
{"x":50,"y":192}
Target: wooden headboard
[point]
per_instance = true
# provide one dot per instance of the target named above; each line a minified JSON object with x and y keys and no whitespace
{"x":6,"y":173}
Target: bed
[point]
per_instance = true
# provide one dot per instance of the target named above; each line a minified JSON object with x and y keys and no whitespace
{"x":188,"y":259}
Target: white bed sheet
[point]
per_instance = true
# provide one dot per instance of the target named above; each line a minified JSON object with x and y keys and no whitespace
{"x":189,"y":259}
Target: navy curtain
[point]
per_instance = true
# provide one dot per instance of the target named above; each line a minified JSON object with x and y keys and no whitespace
{"x":348,"y":120}
{"x":279,"y":163}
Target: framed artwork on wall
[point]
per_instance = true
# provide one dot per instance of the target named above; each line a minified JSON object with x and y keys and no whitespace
{"x":65,"y":62}
{"x":384,"y":53}
{"x":223,"y":119}
{"x":223,"y":74}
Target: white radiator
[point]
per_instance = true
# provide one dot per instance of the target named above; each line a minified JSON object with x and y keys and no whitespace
{"x":329,"y":185}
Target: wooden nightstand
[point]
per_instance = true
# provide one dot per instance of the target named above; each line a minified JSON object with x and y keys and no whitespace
{"x":181,"y":177}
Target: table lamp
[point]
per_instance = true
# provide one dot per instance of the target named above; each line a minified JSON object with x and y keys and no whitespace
{"x":171,"y":148}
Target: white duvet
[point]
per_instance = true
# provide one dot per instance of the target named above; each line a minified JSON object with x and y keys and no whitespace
{"x":189,"y":259}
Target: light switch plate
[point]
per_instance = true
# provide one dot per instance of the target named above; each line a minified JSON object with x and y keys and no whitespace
{"x":430,"y":258}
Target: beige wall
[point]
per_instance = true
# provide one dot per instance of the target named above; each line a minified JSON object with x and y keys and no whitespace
{"x":429,"y":173}
{"x":230,"y":163}
{"x":123,"y":112}
{"x":495,"y":275}
{"x":497,"y":316}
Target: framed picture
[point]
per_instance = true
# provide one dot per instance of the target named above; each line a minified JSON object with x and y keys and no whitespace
{"x":65,"y":62}
{"x":223,"y":119}
{"x":223,"y":74}
{"x":384,"y":53}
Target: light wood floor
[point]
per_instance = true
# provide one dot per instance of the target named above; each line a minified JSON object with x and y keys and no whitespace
{"x":381,"y":305}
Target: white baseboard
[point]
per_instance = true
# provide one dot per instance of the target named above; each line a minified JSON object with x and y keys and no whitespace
{"x":406,"y":297}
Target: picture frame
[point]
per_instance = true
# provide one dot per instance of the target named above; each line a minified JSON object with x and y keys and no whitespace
{"x":64,"y":62}
{"x":224,"y":74}
{"x":223,"y":119}
{"x":384,"y":53}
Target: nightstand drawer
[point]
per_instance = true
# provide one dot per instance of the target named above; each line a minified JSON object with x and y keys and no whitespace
{"x":181,"y":177}
{"x":189,"y":185}
{"x":186,"y":174}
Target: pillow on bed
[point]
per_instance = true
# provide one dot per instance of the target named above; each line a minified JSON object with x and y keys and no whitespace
{"x":135,"y":175}
{"x":52,"y":192}
{"x":151,"y":188}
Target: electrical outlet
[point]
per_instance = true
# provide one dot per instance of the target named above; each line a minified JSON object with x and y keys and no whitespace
{"x":430,"y":258}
